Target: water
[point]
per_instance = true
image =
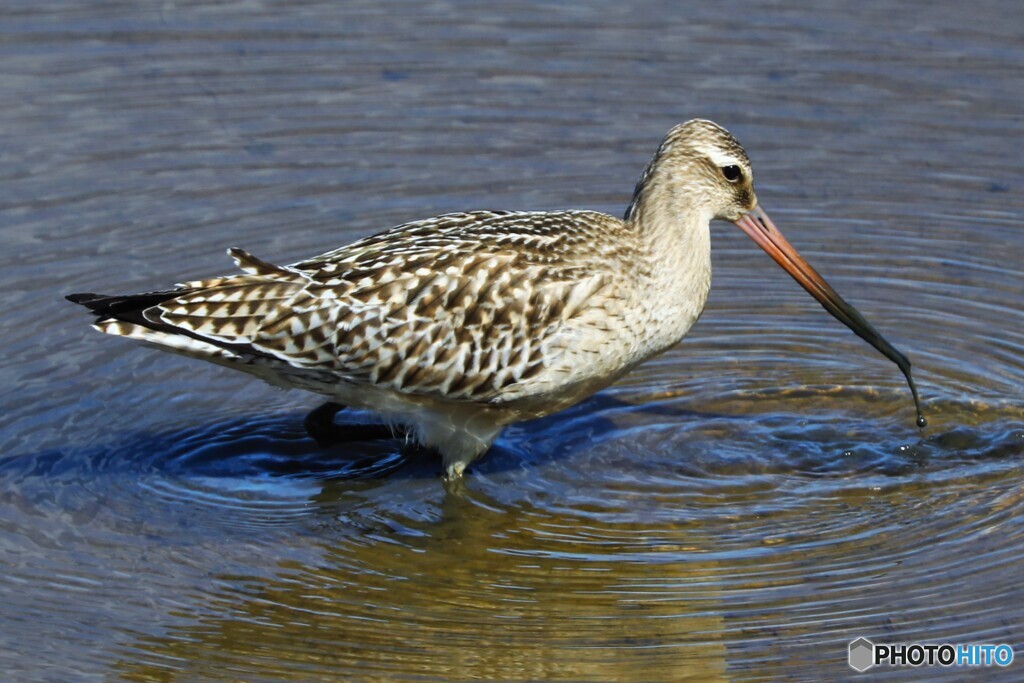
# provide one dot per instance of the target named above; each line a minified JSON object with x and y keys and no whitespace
{"x":740,"y":508}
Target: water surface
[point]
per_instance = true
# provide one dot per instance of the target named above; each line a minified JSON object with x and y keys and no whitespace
{"x":737,"y":509}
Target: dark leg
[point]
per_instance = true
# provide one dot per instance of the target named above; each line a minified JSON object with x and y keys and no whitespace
{"x":320,"y":425}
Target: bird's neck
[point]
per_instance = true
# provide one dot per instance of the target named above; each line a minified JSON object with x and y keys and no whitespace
{"x":675,"y":235}
{"x":670,"y":218}
{"x":673,"y":228}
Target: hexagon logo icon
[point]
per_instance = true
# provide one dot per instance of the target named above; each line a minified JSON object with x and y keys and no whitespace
{"x":862,"y":654}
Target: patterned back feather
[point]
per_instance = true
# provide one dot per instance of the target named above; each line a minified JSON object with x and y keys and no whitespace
{"x":462,"y":306}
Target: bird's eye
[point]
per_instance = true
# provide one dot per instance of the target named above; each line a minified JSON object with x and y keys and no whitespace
{"x":732,"y":173}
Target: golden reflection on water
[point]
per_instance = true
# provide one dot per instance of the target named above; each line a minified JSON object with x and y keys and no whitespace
{"x":739,"y":508}
{"x":490,"y":594}
{"x":469,"y":587}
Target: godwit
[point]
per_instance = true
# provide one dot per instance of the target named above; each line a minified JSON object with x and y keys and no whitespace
{"x":458,"y":325}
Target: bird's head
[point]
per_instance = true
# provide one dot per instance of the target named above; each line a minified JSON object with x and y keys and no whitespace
{"x":701,"y":165}
{"x":699,"y":173}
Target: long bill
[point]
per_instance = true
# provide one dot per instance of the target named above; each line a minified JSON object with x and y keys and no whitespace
{"x":762,"y":230}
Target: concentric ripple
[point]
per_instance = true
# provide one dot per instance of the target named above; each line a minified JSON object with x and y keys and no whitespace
{"x":739,"y":508}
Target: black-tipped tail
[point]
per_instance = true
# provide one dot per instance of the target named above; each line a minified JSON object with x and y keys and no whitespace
{"x":118,"y":306}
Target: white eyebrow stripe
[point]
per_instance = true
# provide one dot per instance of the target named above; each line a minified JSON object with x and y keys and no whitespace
{"x":721,"y":160}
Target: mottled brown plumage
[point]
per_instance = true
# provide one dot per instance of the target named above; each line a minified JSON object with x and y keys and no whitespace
{"x":460,"y":324}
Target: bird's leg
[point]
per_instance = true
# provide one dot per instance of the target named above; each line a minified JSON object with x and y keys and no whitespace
{"x":321,"y":427}
{"x":320,"y":422}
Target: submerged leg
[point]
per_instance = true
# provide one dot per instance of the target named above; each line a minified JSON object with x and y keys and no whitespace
{"x":459,"y":445}
{"x":320,"y":421}
{"x":321,"y":427}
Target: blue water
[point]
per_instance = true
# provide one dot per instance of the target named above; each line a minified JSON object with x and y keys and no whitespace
{"x":738,"y":509}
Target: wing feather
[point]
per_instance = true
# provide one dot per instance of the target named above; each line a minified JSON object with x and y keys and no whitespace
{"x":462,"y":306}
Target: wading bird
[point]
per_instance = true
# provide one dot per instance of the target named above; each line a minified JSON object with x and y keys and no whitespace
{"x":455,"y":326}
